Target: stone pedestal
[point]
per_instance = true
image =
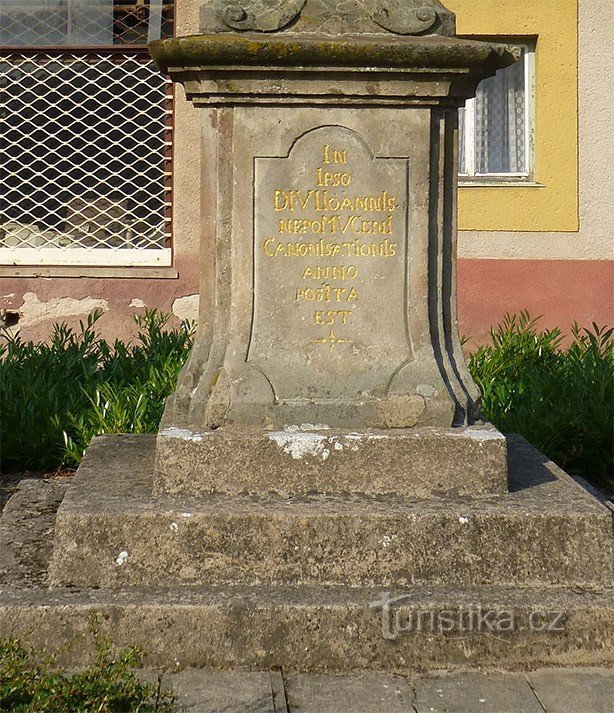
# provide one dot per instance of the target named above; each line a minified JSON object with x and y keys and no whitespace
{"x":113,"y":532}
{"x":329,"y":259}
{"x":299,"y":460}
{"x":321,"y":476}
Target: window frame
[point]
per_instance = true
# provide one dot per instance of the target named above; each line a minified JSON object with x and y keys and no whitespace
{"x":472,"y":177}
{"x":140,"y":261}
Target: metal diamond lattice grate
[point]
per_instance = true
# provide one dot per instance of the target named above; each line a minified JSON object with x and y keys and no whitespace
{"x":85,"y":159}
{"x":41,"y":23}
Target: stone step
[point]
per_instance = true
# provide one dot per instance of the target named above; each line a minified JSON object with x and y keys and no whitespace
{"x":320,"y":629}
{"x":301,"y":460}
{"x":111,"y":533}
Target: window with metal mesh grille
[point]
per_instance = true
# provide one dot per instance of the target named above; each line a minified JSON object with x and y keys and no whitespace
{"x":93,"y":23}
{"x":86,"y":151}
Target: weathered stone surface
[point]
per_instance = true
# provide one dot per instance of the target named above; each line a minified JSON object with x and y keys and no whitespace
{"x":258,"y":14}
{"x":329,"y":54}
{"x":404,"y":17}
{"x":320,"y":295}
{"x":309,"y":629}
{"x":267,"y":367}
{"x":329,"y":284}
{"x":473,"y":692}
{"x":367,"y":693}
{"x":314,"y":629}
{"x":111,"y":532}
{"x":300,"y":460}
{"x":589,"y":690}
{"x":26,"y":531}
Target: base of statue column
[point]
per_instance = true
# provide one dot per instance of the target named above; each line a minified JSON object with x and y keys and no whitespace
{"x":323,"y":629}
{"x":306,"y":459}
{"x":333,"y":583}
{"x":112,"y":532}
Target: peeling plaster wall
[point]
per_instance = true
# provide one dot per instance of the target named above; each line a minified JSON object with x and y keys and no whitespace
{"x":34,"y":311}
{"x":41,"y":301}
{"x":186,"y":307}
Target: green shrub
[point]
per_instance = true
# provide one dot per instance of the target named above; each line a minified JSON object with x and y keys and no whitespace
{"x":559,"y":399}
{"x":109,"y":685}
{"x":57,"y":395}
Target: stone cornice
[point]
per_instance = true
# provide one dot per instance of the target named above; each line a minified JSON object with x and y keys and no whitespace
{"x":378,"y":52}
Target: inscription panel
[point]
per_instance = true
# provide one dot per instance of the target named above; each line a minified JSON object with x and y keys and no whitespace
{"x":330,"y":253}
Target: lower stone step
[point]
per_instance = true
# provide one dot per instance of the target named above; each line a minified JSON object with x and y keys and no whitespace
{"x":319,"y":629}
{"x":111,"y":532}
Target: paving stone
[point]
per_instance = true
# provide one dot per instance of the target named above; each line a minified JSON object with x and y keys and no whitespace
{"x":476,"y":693}
{"x":363,"y":693}
{"x":574,"y":691}
{"x":566,"y":690}
{"x":207,"y":691}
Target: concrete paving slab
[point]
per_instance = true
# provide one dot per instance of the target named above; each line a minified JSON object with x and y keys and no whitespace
{"x":362,"y":693}
{"x":476,"y":693}
{"x":571,"y":691}
{"x":564,"y":690}
{"x":207,"y":691}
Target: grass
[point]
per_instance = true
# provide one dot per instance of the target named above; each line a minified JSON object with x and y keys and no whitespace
{"x":109,"y":685}
{"x":58,"y":395}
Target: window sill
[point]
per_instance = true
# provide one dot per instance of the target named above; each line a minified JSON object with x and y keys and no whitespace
{"x":159,"y":273}
{"x":499,"y":183}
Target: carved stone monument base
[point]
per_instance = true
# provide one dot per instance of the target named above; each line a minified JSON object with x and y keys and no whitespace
{"x":303,"y":460}
{"x":370,"y":534}
{"x":313,"y":583}
{"x":113,"y":532}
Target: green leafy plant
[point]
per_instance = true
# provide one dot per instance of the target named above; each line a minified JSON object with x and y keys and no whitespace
{"x":108,"y":685}
{"x":559,"y":398}
{"x":57,"y":395}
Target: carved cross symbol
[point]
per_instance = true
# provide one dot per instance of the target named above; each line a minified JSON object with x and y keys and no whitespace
{"x":332,"y":340}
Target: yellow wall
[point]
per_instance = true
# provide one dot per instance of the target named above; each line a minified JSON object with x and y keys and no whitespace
{"x":551,"y":203}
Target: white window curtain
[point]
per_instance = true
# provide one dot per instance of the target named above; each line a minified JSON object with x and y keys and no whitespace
{"x":500,"y":122}
{"x":493,"y":130}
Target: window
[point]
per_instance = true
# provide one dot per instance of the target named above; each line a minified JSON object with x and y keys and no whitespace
{"x":86,"y":147}
{"x":496,"y":127}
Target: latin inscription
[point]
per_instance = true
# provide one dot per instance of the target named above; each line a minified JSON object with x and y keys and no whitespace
{"x":343,"y":216}
{"x":330,"y":255}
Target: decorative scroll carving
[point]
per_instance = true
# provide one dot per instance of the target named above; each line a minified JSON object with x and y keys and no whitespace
{"x":262,"y":15}
{"x":402,"y":17}
{"x":411,"y":17}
